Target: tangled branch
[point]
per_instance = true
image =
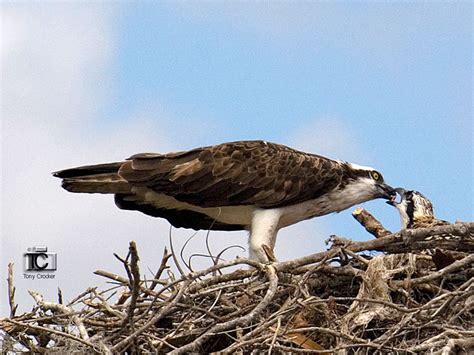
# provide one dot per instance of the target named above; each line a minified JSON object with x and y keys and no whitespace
{"x":344,"y":298}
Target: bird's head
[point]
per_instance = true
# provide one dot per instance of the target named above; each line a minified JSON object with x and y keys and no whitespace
{"x":412,"y":205}
{"x":364,"y":183}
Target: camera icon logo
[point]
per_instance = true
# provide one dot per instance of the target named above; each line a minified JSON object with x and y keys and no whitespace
{"x":38,"y":259}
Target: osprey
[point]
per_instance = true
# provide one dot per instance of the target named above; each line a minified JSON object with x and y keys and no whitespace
{"x":246,"y":185}
{"x":416,"y":211}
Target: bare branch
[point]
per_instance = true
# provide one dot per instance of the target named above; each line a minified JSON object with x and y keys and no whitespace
{"x":135,"y":281}
{"x":345,"y":299}
{"x":370,"y":223}
{"x":11,"y":291}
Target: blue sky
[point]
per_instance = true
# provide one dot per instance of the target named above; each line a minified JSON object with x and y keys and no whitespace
{"x":396,"y":76}
{"x":387,"y":85}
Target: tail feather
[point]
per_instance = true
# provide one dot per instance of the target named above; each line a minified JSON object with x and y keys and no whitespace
{"x":100,"y":178}
{"x":88,"y":170}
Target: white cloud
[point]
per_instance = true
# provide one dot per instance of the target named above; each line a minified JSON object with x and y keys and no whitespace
{"x":54,"y":67}
{"x":51,"y":58}
{"x":55,"y":80}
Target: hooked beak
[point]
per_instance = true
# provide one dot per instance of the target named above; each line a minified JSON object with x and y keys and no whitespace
{"x":387,"y":192}
{"x":393,"y":200}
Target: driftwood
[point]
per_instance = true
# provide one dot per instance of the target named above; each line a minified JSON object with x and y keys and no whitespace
{"x":347,"y":299}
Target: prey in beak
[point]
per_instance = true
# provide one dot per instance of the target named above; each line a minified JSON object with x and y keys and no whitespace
{"x":397,"y":192}
{"x":387,"y":192}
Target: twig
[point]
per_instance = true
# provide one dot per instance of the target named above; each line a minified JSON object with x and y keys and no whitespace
{"x":193,"y":346}
{"x":60,"y":296}
{"x":287,"y":349}
{"x":181,"y":252}
{"x":163,"y":266}
{"x":331,"y":332}
{"x":108,"y":308}
{"x":413,"y":307}
{"x":266,"y":324}
{"x":112,"y":276}
{"x":274,"y":338}
{"x":465,"y":344}
{"x":11,"y":291}
{"x":135,"y":281}
{"x":458,"y":264}
{"x":127,"y":268}
{"x":173,"y":254}
{"x":163,"y":312}
{"x":62,"y":309}
{"x":356,"y":256}
{"x":52,"y":331}
{"x":81,"y":295}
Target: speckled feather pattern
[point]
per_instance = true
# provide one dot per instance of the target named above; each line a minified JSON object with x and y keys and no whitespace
{"x":221,"y":187}
{"x":258,"y":173}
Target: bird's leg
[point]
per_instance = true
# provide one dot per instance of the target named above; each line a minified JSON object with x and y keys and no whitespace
{"x":269,"y":253}
{"x":263,"y":233}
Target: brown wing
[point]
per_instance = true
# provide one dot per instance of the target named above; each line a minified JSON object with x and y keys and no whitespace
{"x":238,"y":173}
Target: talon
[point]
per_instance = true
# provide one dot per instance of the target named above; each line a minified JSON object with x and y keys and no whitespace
{"x":269,"y":253}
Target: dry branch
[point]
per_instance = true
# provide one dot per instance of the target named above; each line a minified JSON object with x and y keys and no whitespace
{"x":11,"y":291}
{"x":134,"y":281}
{"x":370,"y":223}
{"x":342,"y":299}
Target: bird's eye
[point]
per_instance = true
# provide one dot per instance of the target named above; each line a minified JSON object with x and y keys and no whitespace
{"x":376,"y":175}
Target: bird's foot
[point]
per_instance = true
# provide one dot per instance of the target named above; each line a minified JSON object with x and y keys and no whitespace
{"x":269,"y":254}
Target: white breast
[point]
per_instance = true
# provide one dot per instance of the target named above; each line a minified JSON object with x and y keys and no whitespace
{"x":335,"y":201}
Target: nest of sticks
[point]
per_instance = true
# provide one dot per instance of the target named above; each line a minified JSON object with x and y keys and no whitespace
{"x":415,"y":295}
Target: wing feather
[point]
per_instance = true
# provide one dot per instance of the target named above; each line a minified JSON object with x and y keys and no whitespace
{"x":239,"y":173}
